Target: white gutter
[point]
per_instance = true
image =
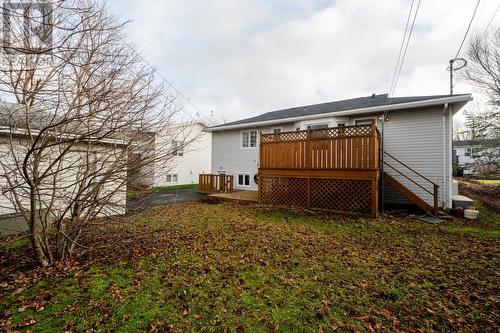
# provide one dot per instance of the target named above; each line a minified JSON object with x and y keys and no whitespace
{"x":374,"y":109}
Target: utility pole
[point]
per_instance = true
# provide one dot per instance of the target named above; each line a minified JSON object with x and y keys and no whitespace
{"x":460,"y":63}
{"x":451,"y":76}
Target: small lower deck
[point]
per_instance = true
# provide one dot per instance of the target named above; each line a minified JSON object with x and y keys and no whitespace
{"x":247,"y":196}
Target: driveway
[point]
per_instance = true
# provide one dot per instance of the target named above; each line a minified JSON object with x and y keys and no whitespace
{"x":164,"y":198}
{"x":12,"y":224}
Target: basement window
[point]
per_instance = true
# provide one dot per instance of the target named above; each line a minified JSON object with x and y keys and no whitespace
{"x":244,"y":180}
{"x":172,"y":178}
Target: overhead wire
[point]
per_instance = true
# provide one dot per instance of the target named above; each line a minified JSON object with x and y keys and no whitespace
{"x":468,"y":28}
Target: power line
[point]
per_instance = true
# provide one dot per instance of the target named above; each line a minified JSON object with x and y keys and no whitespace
{"x":402,"y":45}
{"x":395,"y":79}
{"x":468,"y":28}
{"x":491,"y":20}
{"x":406,"y":49}
{"x":177,"y":91}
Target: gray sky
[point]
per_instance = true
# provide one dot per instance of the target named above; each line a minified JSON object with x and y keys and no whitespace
{"x":241,"y":58}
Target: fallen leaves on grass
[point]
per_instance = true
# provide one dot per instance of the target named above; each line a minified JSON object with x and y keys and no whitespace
{"x":230,"y":268}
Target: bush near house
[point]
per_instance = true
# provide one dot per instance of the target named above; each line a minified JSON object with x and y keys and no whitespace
{"x":200,"y":267}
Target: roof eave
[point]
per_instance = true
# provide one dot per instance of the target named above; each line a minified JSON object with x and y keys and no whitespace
{"x":375,"y":109}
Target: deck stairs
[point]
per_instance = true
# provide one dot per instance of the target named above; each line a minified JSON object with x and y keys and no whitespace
{"x":413,"y":176}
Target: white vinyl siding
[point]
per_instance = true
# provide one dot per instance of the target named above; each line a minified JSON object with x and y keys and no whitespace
{"x":415,"y":137}
{"x":228,"y":155}
{"x":196,"y":151}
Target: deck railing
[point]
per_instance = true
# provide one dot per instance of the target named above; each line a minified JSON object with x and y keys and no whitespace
{"x":335,"y":168}
{"x":338,"y":148}
{"x":209,"y":183}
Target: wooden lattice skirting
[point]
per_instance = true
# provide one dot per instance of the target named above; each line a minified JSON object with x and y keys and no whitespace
{"x":348,"y":195}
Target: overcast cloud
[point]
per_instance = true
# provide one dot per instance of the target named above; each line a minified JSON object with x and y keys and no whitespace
{"x":241,"y":58}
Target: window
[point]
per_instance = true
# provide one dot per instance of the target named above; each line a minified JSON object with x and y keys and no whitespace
{"x":363,"y":121}
{"x":341,"y":124}
{"x":297,"y":129}
{"x":276,"y":130}
{"x":471,"y":152}
{"x":177,"y":148}
{"x":249,"y":139}
{"x":244,"y":180}
{"x":317,"y":126}
{"x":172,"y":178}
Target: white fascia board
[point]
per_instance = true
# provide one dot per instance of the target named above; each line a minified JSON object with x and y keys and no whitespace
{"x":352,"y":112}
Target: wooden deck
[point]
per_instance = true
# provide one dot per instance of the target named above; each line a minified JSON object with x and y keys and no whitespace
{"x":335,"y":168}
{"x":248,"y":196}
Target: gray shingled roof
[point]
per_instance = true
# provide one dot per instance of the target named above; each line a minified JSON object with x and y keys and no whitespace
{"x":465,"y":143}
{"x":336,"y":106}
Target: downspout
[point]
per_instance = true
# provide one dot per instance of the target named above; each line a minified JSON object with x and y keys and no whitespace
{"x":443,"y":196}
{"x":382,"y":185}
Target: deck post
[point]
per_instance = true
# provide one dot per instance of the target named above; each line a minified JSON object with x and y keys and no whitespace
{"x":373,"y":154}
{"x":375,"y":197}
{"x":308,"y":192}
{"x":260,"y":187}
{"x":436,"y":204}
{"x":308,"y":149}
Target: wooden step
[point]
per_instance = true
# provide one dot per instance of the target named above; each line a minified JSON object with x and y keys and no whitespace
{"x":408,"y":194}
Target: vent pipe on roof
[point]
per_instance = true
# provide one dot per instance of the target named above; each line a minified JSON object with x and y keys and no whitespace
{"x":374,"y":94}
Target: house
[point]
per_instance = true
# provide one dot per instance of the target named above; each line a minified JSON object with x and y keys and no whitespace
{"x":477,"y":155}
{"x":176,"y":155}
{"x":416,"y":138}
{"x":190,"y":146}
{"x":63,"y":162}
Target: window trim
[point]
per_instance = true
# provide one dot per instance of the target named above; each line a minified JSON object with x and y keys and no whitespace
{"x":238,"y":179}
{"x":277,"y":128}
{"x":171,"y":175}
{"x":249,"y":139}
{"x":364,"y":119}
{"x":179,"y":152}
{"x":318,"y":124}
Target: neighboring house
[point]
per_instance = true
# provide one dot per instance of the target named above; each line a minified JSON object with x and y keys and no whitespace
{"x":16,"y":140}
{"x":470,"y":154}
{"x":190,"y":148}
{"x":417,"y":131}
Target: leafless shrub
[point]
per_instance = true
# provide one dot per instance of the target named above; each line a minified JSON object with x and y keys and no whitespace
{"x":78,"y":111}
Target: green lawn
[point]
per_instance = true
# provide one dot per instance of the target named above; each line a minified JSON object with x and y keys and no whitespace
{"x":489,"y":181}
{"x":161,"y":188}
{"x":200,"y":267}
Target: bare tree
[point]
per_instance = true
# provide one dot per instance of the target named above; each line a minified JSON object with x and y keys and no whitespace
{"x":483,"y":69}
{"x":81,"y":102}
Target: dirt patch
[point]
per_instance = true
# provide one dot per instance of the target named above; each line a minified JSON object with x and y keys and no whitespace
{"x":488,"y":194}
